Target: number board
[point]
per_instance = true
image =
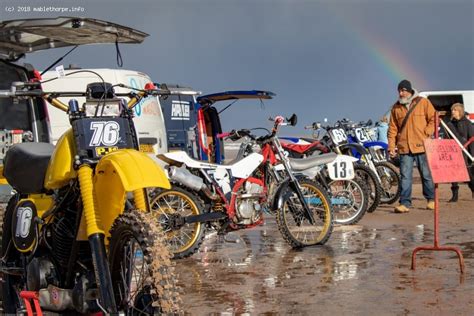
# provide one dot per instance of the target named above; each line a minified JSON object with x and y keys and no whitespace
{"x":341,"y":168}
{"x":96,"y":137}
{"x":362,"y":135}
{"x":338,"y":136}
{"x":446,"y":161}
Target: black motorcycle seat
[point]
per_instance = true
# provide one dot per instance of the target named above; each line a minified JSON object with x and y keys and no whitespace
{"x":310,"y":162}
{"x":25,"y":166}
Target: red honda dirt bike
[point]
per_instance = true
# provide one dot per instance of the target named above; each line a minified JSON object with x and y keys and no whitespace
{"x":233,"y":196}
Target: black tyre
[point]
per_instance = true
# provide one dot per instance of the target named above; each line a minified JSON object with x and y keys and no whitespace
{"x":349,"y":199}
{"x":142,"y":271}
{"x":390,"y":182}
{"x":9,"y":295}
{"x":185,"y":240}
{"x":295,"y":227}
{"x":373,"y":185}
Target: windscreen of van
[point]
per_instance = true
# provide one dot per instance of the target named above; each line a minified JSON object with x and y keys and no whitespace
{"x":445,"y":101}
{"x":13,"y":116}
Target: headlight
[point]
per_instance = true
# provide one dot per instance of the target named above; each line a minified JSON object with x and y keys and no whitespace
{"x":101,"y":109}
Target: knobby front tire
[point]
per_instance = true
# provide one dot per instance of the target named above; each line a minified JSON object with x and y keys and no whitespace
{"x":295,"y":227}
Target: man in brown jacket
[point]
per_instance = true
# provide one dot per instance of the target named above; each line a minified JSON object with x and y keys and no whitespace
{"x":408,"y":139}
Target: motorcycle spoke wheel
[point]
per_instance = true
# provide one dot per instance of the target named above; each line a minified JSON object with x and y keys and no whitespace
{"x":295,"y":227}
{"x":174,"y":204}
{"x":374,"y":188}
{"x":142,"y":273}
{"x":390,"y":182}
{"x":349,"y":198}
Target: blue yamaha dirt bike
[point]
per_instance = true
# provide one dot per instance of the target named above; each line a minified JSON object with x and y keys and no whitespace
{"x":387,"y":173}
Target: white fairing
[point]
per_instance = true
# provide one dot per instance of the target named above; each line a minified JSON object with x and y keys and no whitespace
{"x":241,"y":169}
{"x":245,"y":167}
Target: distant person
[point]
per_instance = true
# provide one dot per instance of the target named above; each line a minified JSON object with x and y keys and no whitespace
{"x":382,"y":130}
{"x":463,"y":129}
{"x":411,"y":122}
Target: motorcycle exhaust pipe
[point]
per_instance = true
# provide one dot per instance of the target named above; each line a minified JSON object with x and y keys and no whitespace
{"x":186,"y":178}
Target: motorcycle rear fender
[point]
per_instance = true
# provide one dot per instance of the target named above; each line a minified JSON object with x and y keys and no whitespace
{"x":116,"y":174}
{"x":376,"y":144}
{"x":357,"y":147}
{"x":178,"y":158}
{"x":311,"y":173}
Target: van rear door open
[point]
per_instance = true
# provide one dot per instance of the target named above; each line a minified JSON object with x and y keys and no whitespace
{"x":443,"y":100}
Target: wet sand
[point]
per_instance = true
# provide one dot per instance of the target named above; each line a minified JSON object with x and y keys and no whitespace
{"x":363,"y":270}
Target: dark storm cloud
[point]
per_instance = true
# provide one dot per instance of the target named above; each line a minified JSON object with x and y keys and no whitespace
{"x":329,"y":59}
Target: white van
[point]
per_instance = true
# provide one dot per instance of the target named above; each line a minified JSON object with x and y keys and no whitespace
{"x":148,"y":118}
{"x":443,"y":100}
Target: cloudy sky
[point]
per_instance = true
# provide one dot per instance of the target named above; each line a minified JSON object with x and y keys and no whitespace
{"x":323,"y":59}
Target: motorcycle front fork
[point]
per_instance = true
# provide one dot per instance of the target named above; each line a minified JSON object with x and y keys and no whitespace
{"x":294,"y":184}
{"x":96,"y":240}
{"x":96,"y":236}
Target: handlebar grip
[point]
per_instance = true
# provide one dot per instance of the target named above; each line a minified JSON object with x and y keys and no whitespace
{"x":222,"y":135}
{"x":29,"y":93}
{"x":6,"y":94}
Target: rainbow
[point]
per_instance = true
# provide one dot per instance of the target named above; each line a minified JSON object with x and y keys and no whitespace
{"x":387,"y":55}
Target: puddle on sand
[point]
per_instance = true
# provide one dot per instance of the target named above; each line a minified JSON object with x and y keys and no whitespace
{"x":256,"y":272}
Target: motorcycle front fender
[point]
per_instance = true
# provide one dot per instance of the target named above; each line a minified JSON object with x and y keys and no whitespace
{"x":116,"y":174}
{"x":376,"y":144}
{"x":353,"y":146}
{"x":132,"y":170}
{"x":280,"y":195}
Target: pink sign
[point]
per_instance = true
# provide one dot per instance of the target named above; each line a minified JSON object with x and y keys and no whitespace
{"x":445,"y":161}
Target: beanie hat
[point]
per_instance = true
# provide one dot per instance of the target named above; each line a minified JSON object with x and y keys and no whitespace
{"x":405,"y":85}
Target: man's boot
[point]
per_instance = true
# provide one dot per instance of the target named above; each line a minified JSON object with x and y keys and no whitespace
{"x":455,"y":196}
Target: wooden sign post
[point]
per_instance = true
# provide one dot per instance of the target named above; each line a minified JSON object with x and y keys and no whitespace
{"x":447,"y":165}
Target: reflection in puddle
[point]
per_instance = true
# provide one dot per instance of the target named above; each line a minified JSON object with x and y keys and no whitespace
{"x":345,"y":270}
{"x":419,"y":233}
{"x":256,"y":272}
{"x":270,"y":282}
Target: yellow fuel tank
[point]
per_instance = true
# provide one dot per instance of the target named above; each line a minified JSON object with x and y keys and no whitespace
{"x":60,"y":169}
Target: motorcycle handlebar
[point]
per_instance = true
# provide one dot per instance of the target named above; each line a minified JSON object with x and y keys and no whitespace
{"x":236,"y":135}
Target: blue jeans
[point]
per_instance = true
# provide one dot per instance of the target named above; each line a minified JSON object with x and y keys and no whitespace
{"x":406,"y":174}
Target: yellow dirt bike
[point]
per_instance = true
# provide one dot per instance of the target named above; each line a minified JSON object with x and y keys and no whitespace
{"x":71,"y":233}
